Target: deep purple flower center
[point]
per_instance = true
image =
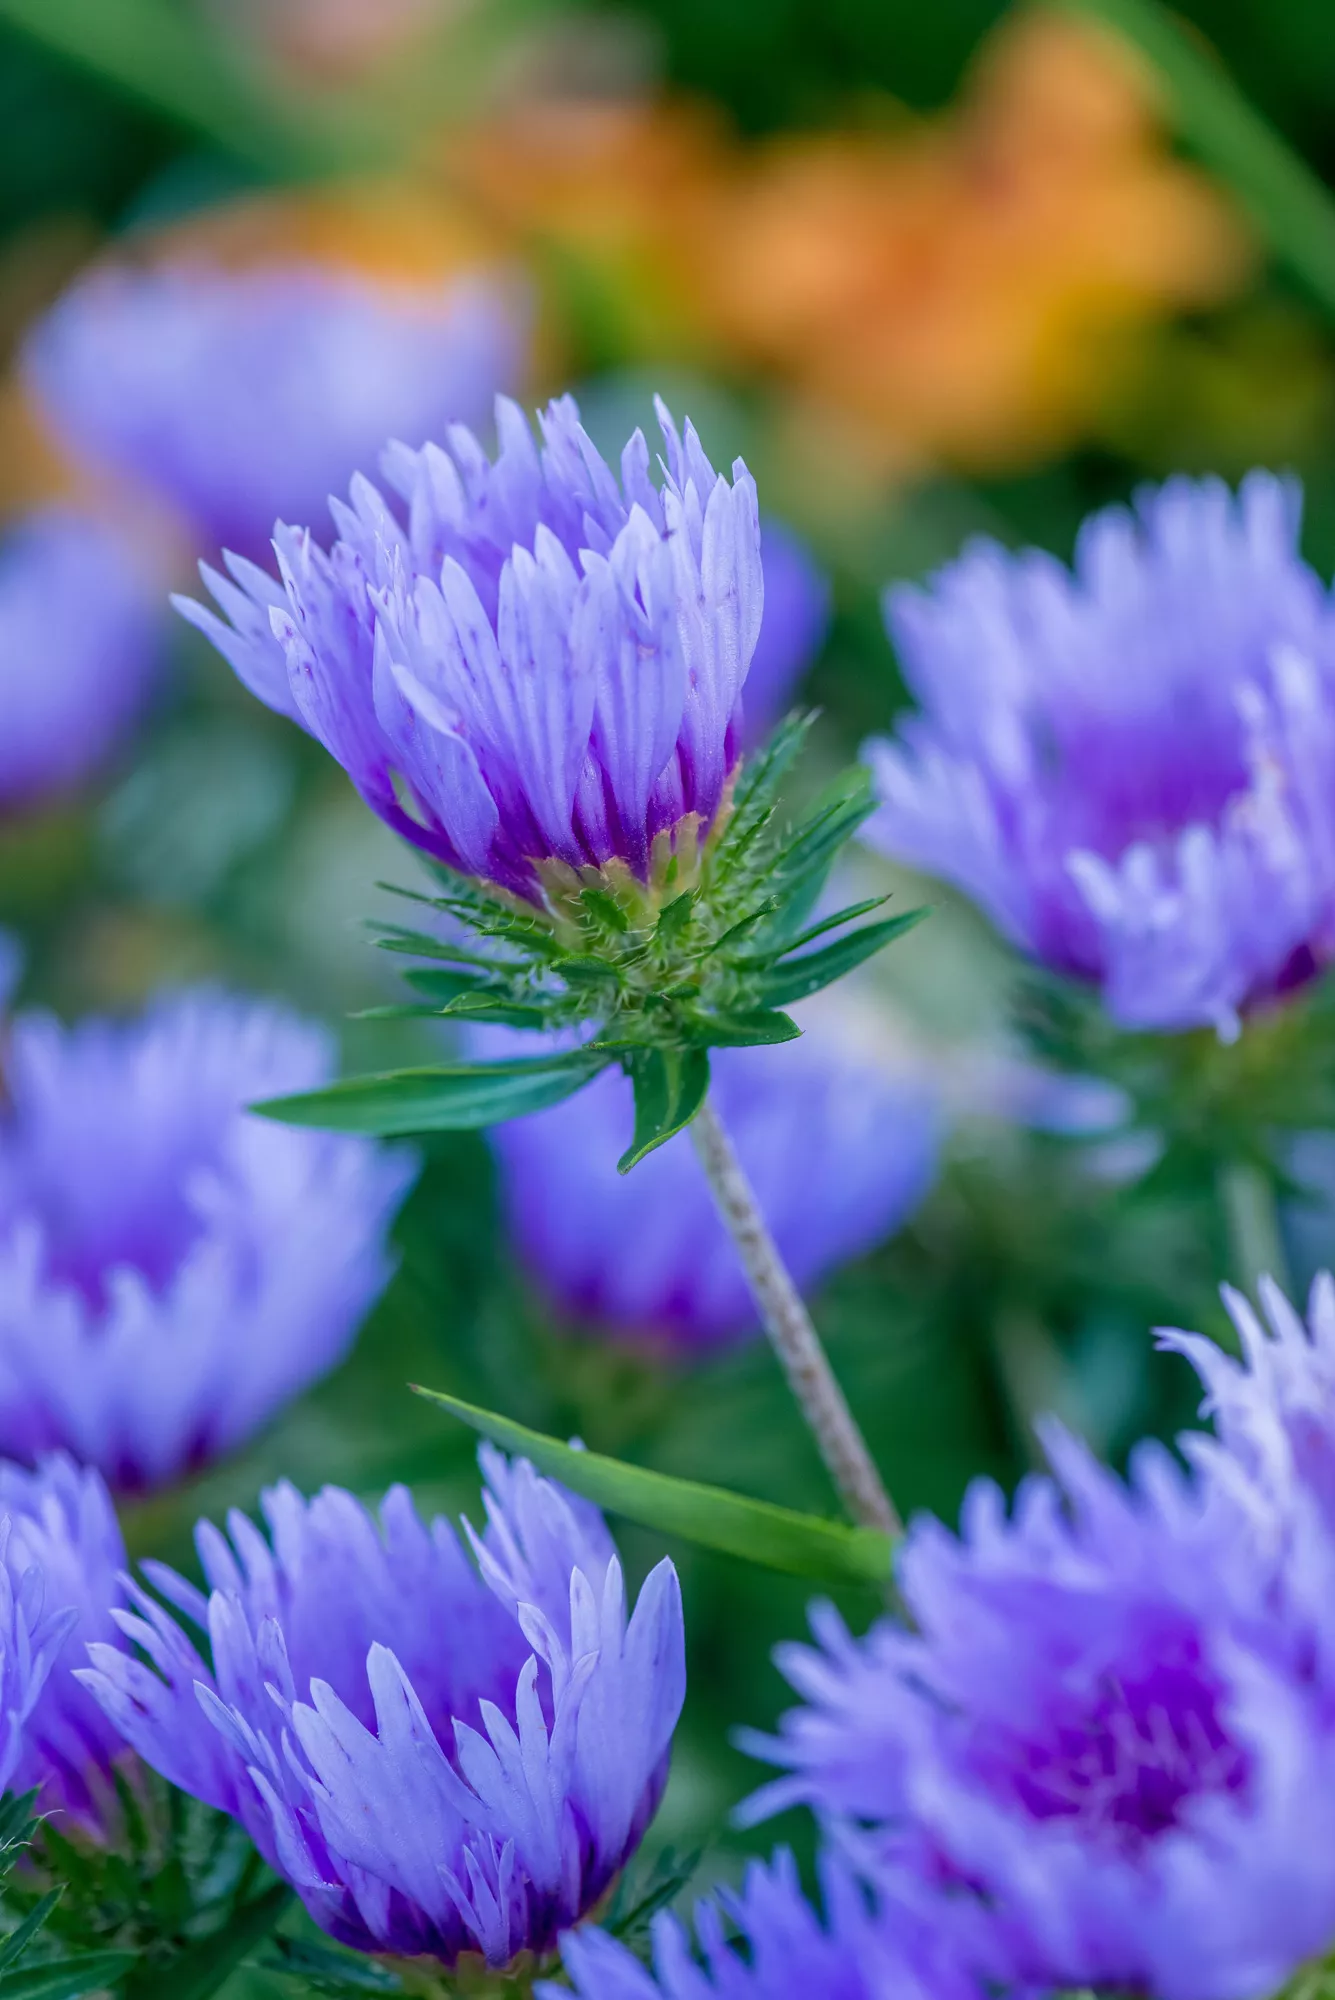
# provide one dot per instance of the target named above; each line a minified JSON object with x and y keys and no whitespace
{"x":1126,"y":1764}
{"x":1123,"y":777}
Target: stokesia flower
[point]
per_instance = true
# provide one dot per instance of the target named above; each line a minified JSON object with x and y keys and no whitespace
{"x":62,"y":1525}
{"x":243,"y":396}
{"x":1131,"y":765}
{"x":81,"y":643}
{"x":439,"y":1762}
{"x":838,"y":1152}
{"x":33,"y":1632}
{"x":538,"y":668}
{"x":1104,"y":1756}
{"x":782,"y":1951}
{"x":173,"y":1269}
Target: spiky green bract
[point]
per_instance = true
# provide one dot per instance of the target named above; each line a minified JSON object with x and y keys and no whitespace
{"x":705,"y":953}
{"x":166,"y":1908}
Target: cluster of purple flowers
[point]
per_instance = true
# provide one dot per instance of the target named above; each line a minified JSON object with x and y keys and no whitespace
{"x":1131,"y":765}
{"x":838,"y":1152}
{"x":173,"y":1269}
{"x":542,"y":664}
{"x":242,"y":396}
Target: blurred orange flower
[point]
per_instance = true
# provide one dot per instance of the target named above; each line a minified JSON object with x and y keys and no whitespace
{"x":960,"y":291}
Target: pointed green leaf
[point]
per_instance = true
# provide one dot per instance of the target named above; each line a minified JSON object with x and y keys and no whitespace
{"x":606,"y":908}
{"x":670,"y":1087}
{"x":674,"y":917}
{"x":13,"y":1947}
{"x":324,"y":1969}
{"x":775,"y":1537}
{"x":453,"y":1097}
{"x":850,"y":915}
{"x":199,"y":1970}
{"x":441,"y":982}
{"x":68,"y":1978}
{"x":747,"y":1028}
{"x":795,"y":978}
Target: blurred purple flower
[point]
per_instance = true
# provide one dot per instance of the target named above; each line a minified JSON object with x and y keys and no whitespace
{"x":785,"y":1952}
{"x":34,"y":1629}
{"x":438,"y":1762}
{"x":548,"y":662}
{"x":62,"y":1524}
{"x":1106,"y":1754}
{"x":172,"y":1269}
{"x":81,"y":642}
{"x":242,"y":397}
{"x":1131,"y":766}
{"x":792,"y":627}
{"x":838,"y":1152}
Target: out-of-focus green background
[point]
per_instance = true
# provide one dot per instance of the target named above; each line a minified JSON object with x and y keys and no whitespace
{"x":934,"y":269}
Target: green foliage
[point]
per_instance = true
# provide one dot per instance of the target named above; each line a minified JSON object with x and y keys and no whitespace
{"x":167,"y":1910}
{"x":705,"y":954}
{"x":776,"y":1537}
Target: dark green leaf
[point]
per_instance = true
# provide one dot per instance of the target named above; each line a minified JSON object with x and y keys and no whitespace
{"x":775,"y":1537}
{"x":68,"y":1978}
{"x":606,"y":908}
{"x":498,"y":1012}
{"x":670,"y":1086}
{"x":338,"y":1973}
{"x":13,"y":1947}
{"x":201,"y":1968}
{"x":747,"y":1028}
{"x":813,"y":931}
{"x":454,"y":1097}
{"x":443,"y":983}
{"x":795,"y":978}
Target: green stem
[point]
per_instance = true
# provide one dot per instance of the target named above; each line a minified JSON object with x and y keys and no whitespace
{"x":1291,"y":206}
{"x":792,"y":1335}
{"x":1251,"y":1215}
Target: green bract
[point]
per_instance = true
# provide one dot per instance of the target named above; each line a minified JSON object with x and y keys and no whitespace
{"x":705,"y":953}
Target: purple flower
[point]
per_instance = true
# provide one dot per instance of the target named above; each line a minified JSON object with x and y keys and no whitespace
{"x":62,"y":1526}
{"x":839,"y":1154}
{"x":543,"y":666}
{"x":1105,"y":1756}
{"x":1273,"y":1410}
{"x":243,"y":396}
{"x":34,"y":1630}
{"x":81,"y":642}
{"x":785,"y":1951}
{"x":172,"y":1269}
{"x":439,"y":1762}
{"x":792,"y":629}
{"x":1131,"y":765}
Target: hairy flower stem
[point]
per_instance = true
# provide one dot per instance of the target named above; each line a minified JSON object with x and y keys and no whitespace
{"x":1256,"y":1249}
{"x":793,"y":1337}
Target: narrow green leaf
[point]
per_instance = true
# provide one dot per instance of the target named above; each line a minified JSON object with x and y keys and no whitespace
{"x":453,"y":1097}
{"x":199,"y":1970}
{"x":813,"y":931}
{"x":606,"y":908}
{"x":499,"y":1011}
{"x":794,"y":978}
{"x":775,"y":1537}
{"x":443,"y":983}
{"x":322,"y":1969}
{"x":13,"y":1947}
{"x":670,"y":1086}
{"x":1292,"y":207}
{"x":68,"y":1978}
{"x":747,"y":1028}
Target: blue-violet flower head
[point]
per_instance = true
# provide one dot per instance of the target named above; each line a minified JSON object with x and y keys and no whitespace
{"x":1131,"y":764}
{"x":781,"y":1950}
{"x":1104,"y":1755}
{"x":81,"y":645}
{"x":173,"y":1269}
{"x":439,"y":1761}
{"x":62,"y":1526}
{"x":539,"y":664}
{"x":244,"y":396}
{"x":839,"y":1154}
